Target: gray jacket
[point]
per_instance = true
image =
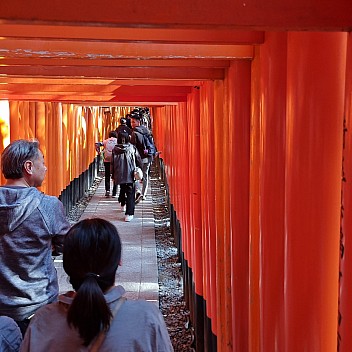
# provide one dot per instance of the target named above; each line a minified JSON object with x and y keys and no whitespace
{"x":125,"y":158}
{"x":137,"y":327}
{"x":29,"y":222}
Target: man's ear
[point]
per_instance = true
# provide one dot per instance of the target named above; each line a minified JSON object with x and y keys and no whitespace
{"x":28,"y":167}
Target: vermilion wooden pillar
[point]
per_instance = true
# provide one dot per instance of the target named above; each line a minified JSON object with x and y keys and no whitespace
{"x":273,"y":68}
{"x":21,"y":114}
{"x":50,"y":146}
{"x":223,"y":262}
{"x":65,"y":143}
{"x":239,"y":83}
{"x":23,"y":118}
{"x":40,"y":128}
{"x":208,"y":204}
{"x":15,"y":131}
{"x":61,"y":145}
{"x":182,"y":180}
{"x":71,"y":125}
{"x":193,"y":122}
{"x":192,"y":144}
{"x":315,"y":102}
{"x":90,"y":134}
{"x":31,"y":119}
{"x":345,"y":336}
{"x":254,"y":206}
{"x":86,"y":138}
{"x":4,"y":129}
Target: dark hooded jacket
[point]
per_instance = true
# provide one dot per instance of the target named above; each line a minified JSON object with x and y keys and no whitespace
{"x":124,"y":161}
{"x":137,"y":139}
{"x":30,"y":222}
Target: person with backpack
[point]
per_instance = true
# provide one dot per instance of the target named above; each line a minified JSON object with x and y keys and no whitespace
{"x":143,"y":140}
{"x":108,"y":145}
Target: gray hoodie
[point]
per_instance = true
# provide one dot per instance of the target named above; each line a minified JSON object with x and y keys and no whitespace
{"x":124,"y":161}
{"x":29,"y":222}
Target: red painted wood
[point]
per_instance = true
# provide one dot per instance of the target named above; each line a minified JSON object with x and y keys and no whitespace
{"x":315,"y":108}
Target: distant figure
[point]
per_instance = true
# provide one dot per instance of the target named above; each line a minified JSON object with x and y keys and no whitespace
{"x":96,"y":316}
{"x":10,"y":335}
{"x":143,"y":140}
{"x":124,"y":161}
{"x":31,"y":224}
{"x":123,"y":128}
{"x":108,"y":145}
{"x":128,"y":121}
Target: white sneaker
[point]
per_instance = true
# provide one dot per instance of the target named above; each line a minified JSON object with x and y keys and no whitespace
{"x":128,"y":218}
{"x":123,"y":208}
{"x":138,"y":198}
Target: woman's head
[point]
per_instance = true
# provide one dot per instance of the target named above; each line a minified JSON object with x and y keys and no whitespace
{"x":92,"y":252}
{"x":123,"y":138}
{"x":92,"y":246}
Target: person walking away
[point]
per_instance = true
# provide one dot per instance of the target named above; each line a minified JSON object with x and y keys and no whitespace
{"x":123,"y":128}
{"x":96,"y":316}
{"x":31,"y":225}
{"x":143,"y":140}
{"x":128,"y":121}
{"x":109,"y":145}
{"x":125,"y":158}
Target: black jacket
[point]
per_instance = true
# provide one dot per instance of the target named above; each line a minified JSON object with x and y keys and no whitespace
{"x":137,"y":139}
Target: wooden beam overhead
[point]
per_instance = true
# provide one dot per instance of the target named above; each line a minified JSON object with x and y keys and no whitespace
{"x":94,"y":99}
{"x":185,"y":73}
{"x":39,"y":61}
{"x":56,"y":88}
{"x":141,"y":90}
{"x":128,"y":34}
{"x":66,"y":81}
{"x":235,"y":14}
{"x":62,"y":49}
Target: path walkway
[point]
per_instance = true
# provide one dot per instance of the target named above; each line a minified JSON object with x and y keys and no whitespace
{"x":139,"y":271}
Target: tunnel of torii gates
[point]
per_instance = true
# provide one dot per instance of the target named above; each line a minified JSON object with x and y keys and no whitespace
{"x":251,"y":108}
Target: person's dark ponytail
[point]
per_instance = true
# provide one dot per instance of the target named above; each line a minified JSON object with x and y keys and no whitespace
{"x":88,"y":312}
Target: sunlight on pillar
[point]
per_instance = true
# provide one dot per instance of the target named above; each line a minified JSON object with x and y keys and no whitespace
{"x":84,"y":117}
{"x":4,"y":124}
{"x":100,"y":126}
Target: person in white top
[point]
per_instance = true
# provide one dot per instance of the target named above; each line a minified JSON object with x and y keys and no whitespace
{"x":108,"y":145}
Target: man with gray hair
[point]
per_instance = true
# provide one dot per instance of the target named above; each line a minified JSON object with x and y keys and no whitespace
{"x":31,"y":225}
